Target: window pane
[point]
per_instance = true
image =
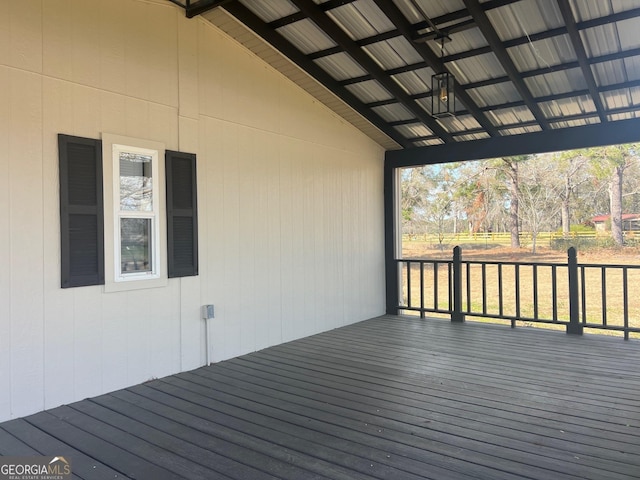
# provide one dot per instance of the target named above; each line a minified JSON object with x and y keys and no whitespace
{"x":136,"y":186}
{"x":135,"y":248}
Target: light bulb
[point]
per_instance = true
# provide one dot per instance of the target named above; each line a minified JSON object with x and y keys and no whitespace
{"x":444,"y":95}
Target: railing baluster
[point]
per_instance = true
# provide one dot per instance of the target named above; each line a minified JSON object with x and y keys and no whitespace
{"x":500,"y":301}
{"x":554,"y":292}
{"x":484,"y":288}
{"x":603,"y":282}
{"x":435,"y":286}
{"x":583,"y":292}
{"x":517,"y":287}
{"x":451,"y":285}
{"x":534,"y":272}
{"x":625,"y":298}
{"x":468,"y":271}
{"x":421,"y":289}
{"x":409,"y":284}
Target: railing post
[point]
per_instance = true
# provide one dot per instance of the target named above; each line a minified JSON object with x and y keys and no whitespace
{"x":574,"y":293}
{"x":456,"y":314}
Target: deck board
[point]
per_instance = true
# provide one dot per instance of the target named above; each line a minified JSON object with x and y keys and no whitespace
{"x":388,"y":398}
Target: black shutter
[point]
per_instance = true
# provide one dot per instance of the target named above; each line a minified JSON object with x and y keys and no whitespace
{"x":81,"y":211}
{"x":182,"y":214}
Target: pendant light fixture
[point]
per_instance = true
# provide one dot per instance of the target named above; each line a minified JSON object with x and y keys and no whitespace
{"x":443,"y":99}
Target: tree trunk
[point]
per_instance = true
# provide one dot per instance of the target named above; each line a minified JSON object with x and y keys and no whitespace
{"x":513,"y":207}
{"x":616,"y":205}
{"x":565,"y":219}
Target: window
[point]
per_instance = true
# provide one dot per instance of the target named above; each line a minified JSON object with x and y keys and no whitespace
{"x":136,"y":213}
{"x":121,"y":212}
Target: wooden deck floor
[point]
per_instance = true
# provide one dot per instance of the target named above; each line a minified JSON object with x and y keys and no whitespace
{"x":389,"y":398}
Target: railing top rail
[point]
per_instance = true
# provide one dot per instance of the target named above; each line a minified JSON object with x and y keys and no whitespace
{"x":482,"y":262}
{"x":501,"y":262}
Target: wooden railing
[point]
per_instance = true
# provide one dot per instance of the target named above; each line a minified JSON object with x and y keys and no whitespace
{"x":572,"y":295}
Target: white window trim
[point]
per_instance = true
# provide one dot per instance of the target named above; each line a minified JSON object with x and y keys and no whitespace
{"x":114,"y":282}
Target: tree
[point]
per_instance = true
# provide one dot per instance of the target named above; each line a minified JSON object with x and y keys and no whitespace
{"x":610,"y":163}
{"x":538,"y":196}
{"x":571,"y":167}
{"x":507,"y":169}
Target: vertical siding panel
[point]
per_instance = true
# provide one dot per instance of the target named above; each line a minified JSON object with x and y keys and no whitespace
{"x":71,"y":44}
{"x":246,"y":192}
{"x":26,"y":264}
{"x":58,"y":304}
{"x":115,"y":348}
{"x":273,"y":264}
{"x":349,"y":241}
{"x":210,"y":191}
{"x":24,"y":48}
{"x":228,"y":336}
{"x":88,"y":353}
{"x":308,"y":264}
{"x":259,"y":170}
{"x":5,"y":237}
{"x":190,"y":295}
{"x":289,"y":234}
{"x":5,"y":32}
{"x":188,"y":50}
{"x":320,"y":250}
{"x":113,"y":41}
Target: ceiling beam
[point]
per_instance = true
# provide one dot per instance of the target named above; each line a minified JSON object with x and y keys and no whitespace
{"x":581,"y":54}
{"x":406,"y":29}
{"x":322,"y":20}
{"x":252,"y":21}
{"x":595,"y":135}
{"x":480,"y":16}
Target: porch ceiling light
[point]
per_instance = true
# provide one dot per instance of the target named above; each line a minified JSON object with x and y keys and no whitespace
{"x":443,"y":100}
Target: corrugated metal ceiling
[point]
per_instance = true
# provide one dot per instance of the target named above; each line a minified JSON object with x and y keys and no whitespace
{"x":520,"y":65}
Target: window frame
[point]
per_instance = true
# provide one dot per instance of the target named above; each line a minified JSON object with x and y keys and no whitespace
{"x":114,"y":281}
{"x":120,"y":214}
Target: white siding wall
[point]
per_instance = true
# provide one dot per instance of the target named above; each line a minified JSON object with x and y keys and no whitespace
{"x":290,"y":199}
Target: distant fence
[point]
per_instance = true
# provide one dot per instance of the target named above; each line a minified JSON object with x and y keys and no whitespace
{"x":573,"y":295}
{"x":504,"y":238}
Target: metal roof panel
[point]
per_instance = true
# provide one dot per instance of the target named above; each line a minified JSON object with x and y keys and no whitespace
{"x":556,"y":82}
{"x":563,"y":107}
{"x":306,"y":36}
{"x":459,"y":123}
{"x":494,"y":94}
{"x":525,"y":18}
{"x":542,"y":53}
{"x":609,"y":73}
{"x":600,"y":40}
{"x":475,"y":69}
{"x":416,"y":81}
{"x":414,"y":130}
{"x":393,"y":53}
{"x":369,"y":91}
{"x":510,"y":116}
{"x":431,"y":8}
{"x":270,"y":11}
{"x":341,"y":66}
{"x":361,"y":19}
{"x":394,"y":112}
